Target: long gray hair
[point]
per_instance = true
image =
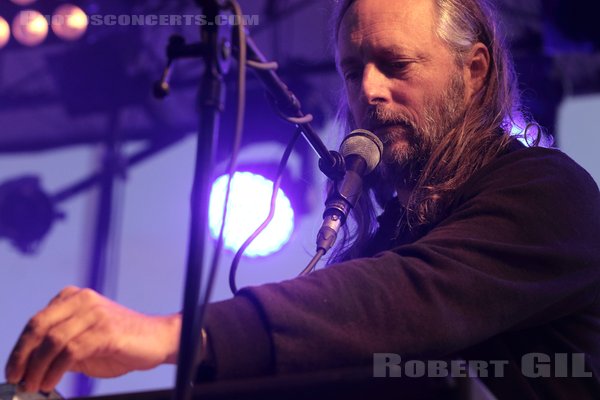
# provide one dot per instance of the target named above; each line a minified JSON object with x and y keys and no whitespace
{"x":483,"y":133}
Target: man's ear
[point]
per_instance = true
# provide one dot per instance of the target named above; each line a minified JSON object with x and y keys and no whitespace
{"x":476,"y":67}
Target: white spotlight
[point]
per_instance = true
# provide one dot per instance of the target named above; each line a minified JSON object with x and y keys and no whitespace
{"x":4,"y":32}
{"x":247,"y":208}
{"x":69,"y":22}
{"x":30,"y":27}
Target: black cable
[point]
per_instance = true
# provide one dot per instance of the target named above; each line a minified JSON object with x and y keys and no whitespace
{"x":197,"y":295}
{"x":276,"y":185}
{"x":234,"y":152}
{"x":313,"y":263}
{"x":305,"y":119}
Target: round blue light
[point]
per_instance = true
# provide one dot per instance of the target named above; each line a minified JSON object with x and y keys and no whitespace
{"x":249,"y":202}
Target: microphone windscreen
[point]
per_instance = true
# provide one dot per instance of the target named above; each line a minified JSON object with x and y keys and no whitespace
{"x":365,"y":144}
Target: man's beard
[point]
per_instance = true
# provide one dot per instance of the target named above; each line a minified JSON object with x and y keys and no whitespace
{"x":408,"y":145}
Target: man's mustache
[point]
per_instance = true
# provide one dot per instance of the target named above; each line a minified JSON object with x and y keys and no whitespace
{"x":378,"y":117}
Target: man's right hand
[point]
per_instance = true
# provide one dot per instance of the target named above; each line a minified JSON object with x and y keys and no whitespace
{"x":83,"y":331}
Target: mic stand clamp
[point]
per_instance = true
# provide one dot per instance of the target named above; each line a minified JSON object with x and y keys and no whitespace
{"x":333,"y":170}
{"x":177,"y":48}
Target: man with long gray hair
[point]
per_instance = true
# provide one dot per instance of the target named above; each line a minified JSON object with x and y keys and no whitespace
{"x":486,"y":249}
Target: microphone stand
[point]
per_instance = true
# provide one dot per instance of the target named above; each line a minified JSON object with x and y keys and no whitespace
{"x":215,"y":48}
{"x":215,"y":43}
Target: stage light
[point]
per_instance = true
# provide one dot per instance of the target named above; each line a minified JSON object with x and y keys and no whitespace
{"x":23,"y":2}
{"x":27,"y":213}
{"x":30,"y":27}
{"x":4,"y":32}
{"x":69,"y":22}
{"x":249,"y":202}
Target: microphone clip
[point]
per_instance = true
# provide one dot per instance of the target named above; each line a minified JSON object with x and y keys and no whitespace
{"x":334,"y":169}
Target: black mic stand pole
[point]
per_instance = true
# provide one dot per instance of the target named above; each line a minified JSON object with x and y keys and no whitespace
{"x":216,"y":41}
{"x":216,"y":48}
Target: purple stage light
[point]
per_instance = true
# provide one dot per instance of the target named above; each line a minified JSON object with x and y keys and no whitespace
{"x":69,"y":22}
{"x":4,"y":32}
{"x":249,"y":202}
{"x":30,"y":28}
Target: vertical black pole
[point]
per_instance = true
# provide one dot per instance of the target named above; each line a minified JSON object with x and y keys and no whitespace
{"x":96,"y":278}
{"x":211,"y":98}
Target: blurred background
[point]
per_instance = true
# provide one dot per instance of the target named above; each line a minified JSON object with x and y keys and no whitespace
{"x":76,"y":101}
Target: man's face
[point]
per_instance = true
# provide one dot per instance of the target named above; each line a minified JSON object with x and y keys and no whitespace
{"x":401,"y":81}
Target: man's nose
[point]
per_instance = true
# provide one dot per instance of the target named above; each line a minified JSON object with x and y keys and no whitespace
{"x":375,"y":87}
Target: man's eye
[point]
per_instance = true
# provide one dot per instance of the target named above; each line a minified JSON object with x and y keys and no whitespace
{"x":352,"y":75}
{"x":397,"y":68}
{"x":400,"y":64}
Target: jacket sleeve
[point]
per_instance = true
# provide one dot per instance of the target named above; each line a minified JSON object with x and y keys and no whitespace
{"x":519,"y":248}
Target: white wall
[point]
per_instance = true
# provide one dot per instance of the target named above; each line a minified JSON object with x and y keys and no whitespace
{"x":28,"y":283}
{"x":579,"y":131}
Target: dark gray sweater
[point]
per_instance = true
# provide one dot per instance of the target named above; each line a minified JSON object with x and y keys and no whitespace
{"x":513,"y":269}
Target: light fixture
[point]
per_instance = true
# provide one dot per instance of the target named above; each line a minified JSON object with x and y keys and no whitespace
{"x":4,"y":32}
{"x":30,"y":27}
{"x":26,"y":213}
{"x":248,"y":206}
{"x":69,"y":22}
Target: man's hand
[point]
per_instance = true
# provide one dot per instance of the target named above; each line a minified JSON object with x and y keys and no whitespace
{"x":82,"y":331}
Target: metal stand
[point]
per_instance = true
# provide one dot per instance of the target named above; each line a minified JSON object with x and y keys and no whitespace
{"x":215,"y":47}
{"x":96,"y":278}
{"x":216,"y":41}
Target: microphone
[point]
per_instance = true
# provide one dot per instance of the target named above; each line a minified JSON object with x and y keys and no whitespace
{"x":362,"y":152}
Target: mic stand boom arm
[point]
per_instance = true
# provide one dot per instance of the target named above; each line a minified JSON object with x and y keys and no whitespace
{"x":331,"y":163}
{"x":286,"y":102}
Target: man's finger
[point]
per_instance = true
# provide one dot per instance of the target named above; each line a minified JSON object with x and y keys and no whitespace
{"x":77,"y":350}
{"x":61,"y":364}
{"x":61,"y":308}
{"x":64,"y":294}
{"x":53,"y":344}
